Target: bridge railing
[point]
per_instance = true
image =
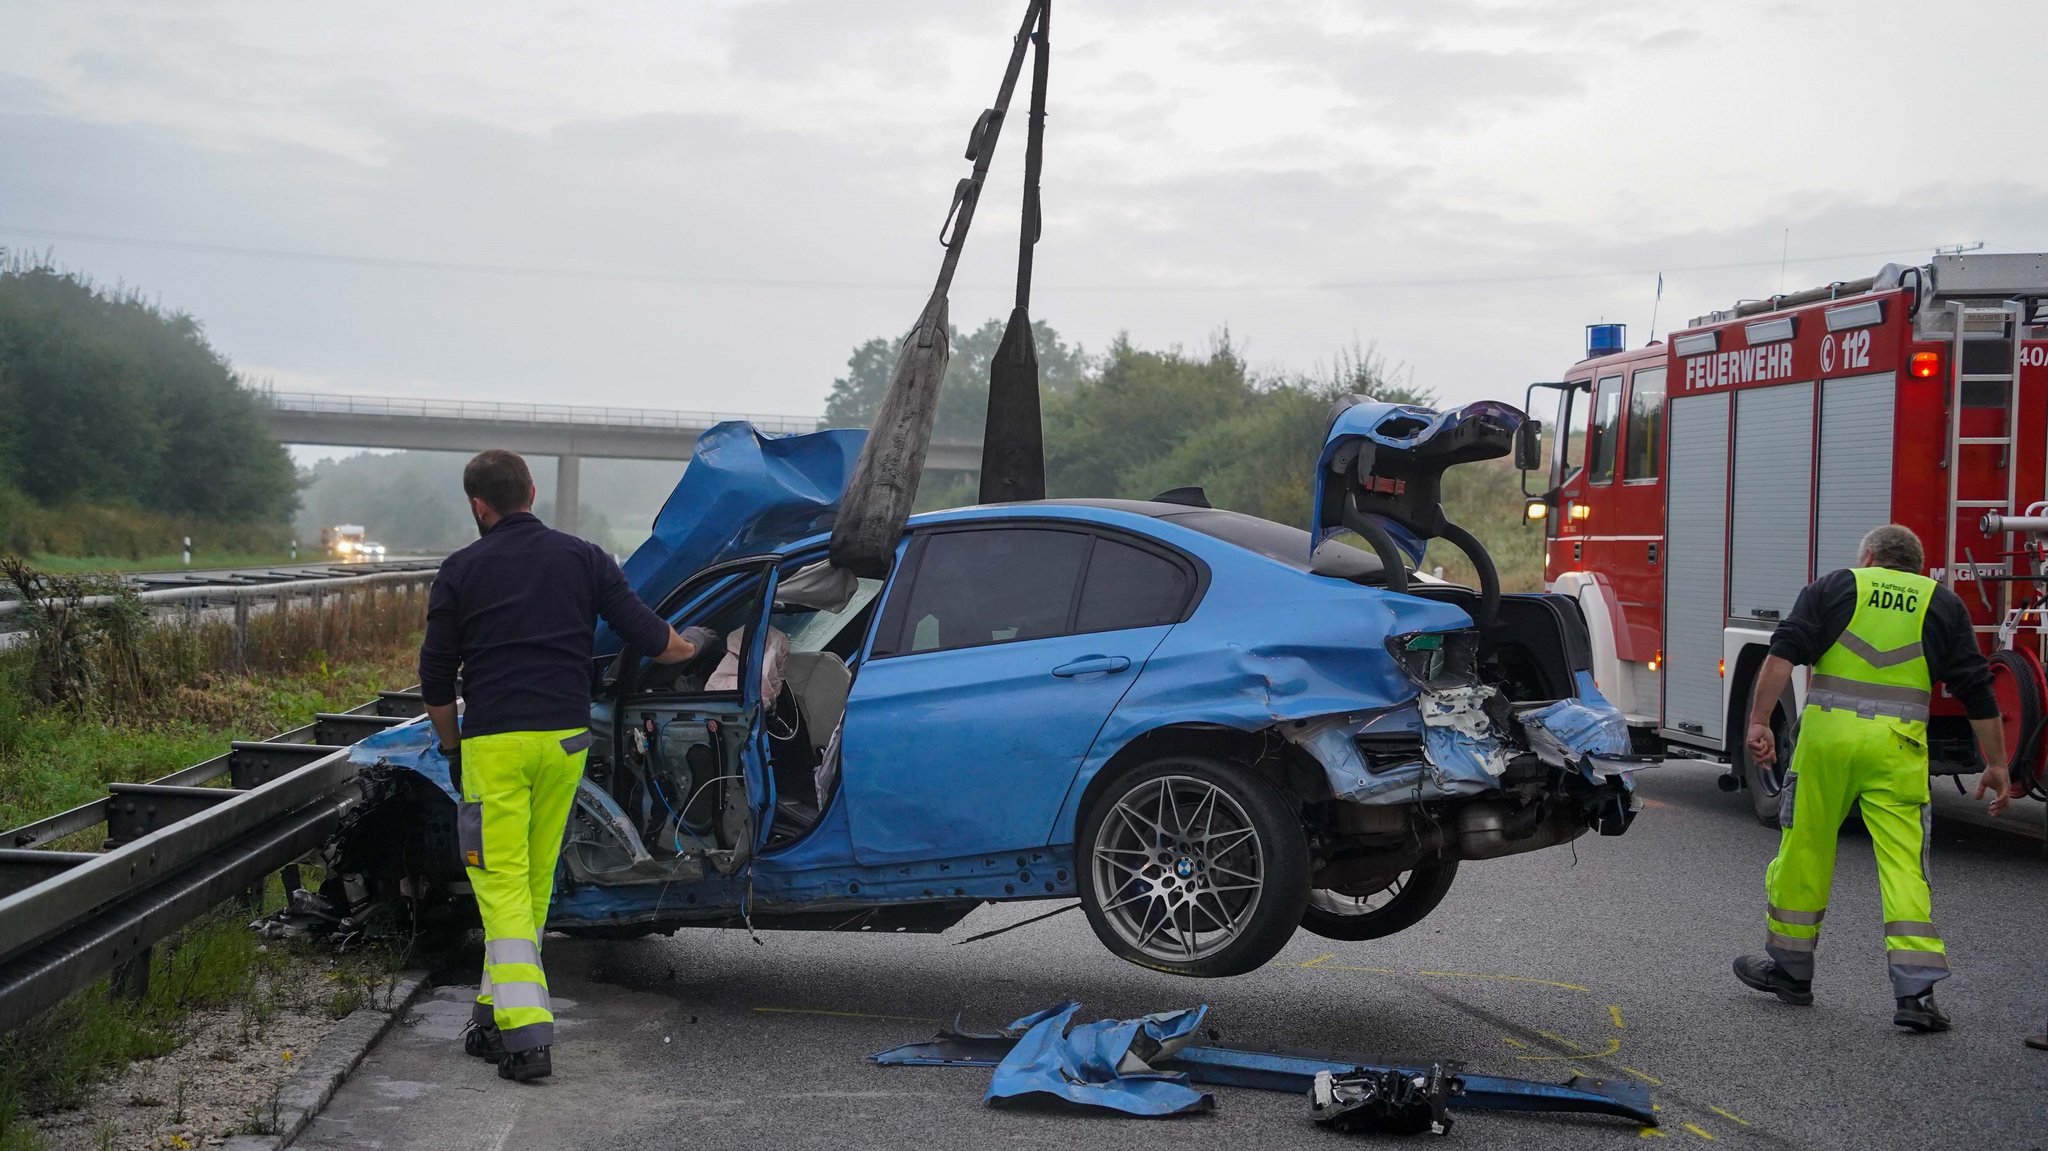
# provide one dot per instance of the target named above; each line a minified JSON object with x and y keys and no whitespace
{"x":417,"y":408}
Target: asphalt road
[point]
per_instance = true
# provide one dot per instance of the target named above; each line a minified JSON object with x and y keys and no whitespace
{"x":1612,"y":960}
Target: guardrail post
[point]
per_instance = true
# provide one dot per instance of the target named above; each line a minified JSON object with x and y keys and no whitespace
{"x":241,"y":631}
{"x":130,"y":980}
{"x":319,"y":618}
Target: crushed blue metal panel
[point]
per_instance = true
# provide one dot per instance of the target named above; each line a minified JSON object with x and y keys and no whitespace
{"x":1107,"y":1064}
{"x":1296,"y":1073}
{"x":413,"y":746}
{"x":742,"y":492}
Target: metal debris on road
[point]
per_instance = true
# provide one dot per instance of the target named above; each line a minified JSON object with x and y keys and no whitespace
{"x":1292,"y":1072}
{"x":1385,"y":1102}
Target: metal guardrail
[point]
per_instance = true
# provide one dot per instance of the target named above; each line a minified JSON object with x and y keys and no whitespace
{"x":174,"y":849}
{"x":414,"y":408}
{"x":241,"y":594}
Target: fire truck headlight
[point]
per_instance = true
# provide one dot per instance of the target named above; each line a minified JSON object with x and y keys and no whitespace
{"x":1536,"y":510}
{"x":1925,"y":365}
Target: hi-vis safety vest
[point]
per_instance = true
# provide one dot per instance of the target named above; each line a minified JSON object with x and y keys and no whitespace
{"x":1878,"y":670}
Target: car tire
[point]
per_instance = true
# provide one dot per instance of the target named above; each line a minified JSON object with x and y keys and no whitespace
{"x":1763,"y":803}
{"x":1209,"y":900}
{"x":1421,"y":890}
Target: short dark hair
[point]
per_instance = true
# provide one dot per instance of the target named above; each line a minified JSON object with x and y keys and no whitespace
{"x":1894,"y":546}
{"x":499,"y":478}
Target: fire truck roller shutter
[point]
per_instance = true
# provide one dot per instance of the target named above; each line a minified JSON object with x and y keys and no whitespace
{"x":1696,"y":519}
{"x":1771,"y":540}
{"x":1857,"y":444}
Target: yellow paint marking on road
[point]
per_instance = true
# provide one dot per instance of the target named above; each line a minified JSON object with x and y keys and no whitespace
{"x":1699,"y":1131}
{"x":1502,"y":978}
{"x":1650,"y":1133}
{"x":1319,"y":960}
{"x":846,"y":1014}
{"x":1725,"y":1114}
{"x":1559,"y":1039}
{"x":1363,"y":970}
{"x":1613,"y":1048}
{"x":1614,"y":1013}
{"x":1645,"y":1076}
{"x":1511,"y":1041}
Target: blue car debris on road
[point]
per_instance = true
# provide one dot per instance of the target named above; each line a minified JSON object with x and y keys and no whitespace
{"x":1210,"y":728}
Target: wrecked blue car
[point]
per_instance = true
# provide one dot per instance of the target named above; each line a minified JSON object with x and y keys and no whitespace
{"x":1210,"y":728}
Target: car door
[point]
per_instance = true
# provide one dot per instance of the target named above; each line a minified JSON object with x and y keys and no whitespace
{"x":1000,"y":651}
{"x":687,"y":764}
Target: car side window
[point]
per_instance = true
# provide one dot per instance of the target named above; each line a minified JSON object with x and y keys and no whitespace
{"x":992,"y":586}
{"x":1129,"y":587}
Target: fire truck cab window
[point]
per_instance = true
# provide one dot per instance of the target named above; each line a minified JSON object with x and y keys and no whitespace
{"x":1570,"y":448}
{"x":1645,"y":425}
{"x":1602,"y":444}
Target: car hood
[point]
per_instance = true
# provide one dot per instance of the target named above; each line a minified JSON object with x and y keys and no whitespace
{"x":1450,"y":437}
{"x":743,"y":492}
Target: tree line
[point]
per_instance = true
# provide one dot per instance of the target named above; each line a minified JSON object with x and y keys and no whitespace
{"x":109,"y":399}
{"x":1132,"y":422}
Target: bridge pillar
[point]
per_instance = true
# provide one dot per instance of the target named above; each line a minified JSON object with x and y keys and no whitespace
{"x":568,"y":482}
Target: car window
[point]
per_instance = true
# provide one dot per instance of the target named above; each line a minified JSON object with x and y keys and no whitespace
{"x":810,"y":629}
{"x":993,"y":586}
{"x":1128,"y":587}
{"x":1606,"y":431}
{"x":1645,"y":424}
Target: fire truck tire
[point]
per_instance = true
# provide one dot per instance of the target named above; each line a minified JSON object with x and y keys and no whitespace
{"x":1763,"y":788}
{"x":2017,"y":680}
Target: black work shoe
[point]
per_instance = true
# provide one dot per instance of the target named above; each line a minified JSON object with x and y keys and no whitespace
{"x":522,"y":1066}
{"x":1919,"y":1013}
{"x":483,"y":1041}
{"x":1765,"y":975}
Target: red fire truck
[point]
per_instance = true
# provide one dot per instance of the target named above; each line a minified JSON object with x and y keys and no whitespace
{"x":1696,"y":484}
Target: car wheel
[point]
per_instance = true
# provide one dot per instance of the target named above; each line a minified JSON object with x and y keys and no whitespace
{"x":1193,"y":866}
{"x":1398,"y":906}
{"x":1763,"y":784}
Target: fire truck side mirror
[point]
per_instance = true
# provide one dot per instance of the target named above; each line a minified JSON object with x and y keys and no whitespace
{"x":1529,"y":445}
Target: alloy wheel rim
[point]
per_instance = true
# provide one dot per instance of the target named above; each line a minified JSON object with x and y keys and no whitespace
{"x":1179,"y":868}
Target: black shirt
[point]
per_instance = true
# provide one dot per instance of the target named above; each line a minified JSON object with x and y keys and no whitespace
{"x":516,"y":612}
{"x":1826,"y":605}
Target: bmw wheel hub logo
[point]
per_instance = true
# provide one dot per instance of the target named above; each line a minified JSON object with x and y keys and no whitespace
{"x":1185,"y":868}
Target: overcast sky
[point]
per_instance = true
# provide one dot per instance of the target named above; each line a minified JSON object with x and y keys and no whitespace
{"x":705,"y":205}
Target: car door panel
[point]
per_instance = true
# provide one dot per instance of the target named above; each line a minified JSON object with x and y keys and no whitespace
{"x":953,"y":753}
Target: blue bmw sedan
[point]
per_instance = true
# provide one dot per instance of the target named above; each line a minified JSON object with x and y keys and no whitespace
{"x":1210,"y":728}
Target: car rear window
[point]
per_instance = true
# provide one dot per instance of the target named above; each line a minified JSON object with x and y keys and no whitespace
{"x":1288,"y":545}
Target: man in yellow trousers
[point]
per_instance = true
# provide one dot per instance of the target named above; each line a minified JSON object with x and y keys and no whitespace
{"x":514,"y":614}
{"x":1877,"y":637}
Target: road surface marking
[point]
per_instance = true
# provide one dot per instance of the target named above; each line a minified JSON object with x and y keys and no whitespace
{"x":1645,"y":1076}
{"x":1728,"y":1115}
{"x":1319,"y":960}
{"x":1502,"y":978}
{"x":1699,"y":1131}
{"x":1614,"y":1013}
{"x":1650,"y":1133}
{"x":846,"y":1014}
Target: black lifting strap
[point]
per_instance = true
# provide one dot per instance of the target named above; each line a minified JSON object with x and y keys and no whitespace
{"x":981,"y":147}
{"x":1013,"y":438}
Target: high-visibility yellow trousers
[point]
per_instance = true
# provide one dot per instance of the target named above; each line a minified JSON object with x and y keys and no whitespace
{"x":517,"y":789}
{"x":1843,"y":760}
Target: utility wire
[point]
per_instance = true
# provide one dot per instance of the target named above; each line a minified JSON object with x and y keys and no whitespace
{"x":531,"y":271}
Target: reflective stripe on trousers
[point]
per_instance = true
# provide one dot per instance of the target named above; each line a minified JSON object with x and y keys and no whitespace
{"x":518,"y":787}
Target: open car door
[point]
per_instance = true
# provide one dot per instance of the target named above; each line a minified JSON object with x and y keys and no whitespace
{"x":677,"y":784}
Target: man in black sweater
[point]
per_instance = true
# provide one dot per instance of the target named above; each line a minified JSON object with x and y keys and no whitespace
{"x":515,"y":614}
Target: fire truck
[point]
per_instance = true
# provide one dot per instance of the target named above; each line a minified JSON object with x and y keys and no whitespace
{"x":1694,"y":485}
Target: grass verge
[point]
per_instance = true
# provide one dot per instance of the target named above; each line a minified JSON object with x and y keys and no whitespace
{"x":171,"y":561}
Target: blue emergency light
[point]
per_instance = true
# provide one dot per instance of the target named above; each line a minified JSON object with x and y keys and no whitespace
{"x":1605,"y":339}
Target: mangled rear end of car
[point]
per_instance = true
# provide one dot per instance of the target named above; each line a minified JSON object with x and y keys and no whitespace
{"x":1236,"y":728}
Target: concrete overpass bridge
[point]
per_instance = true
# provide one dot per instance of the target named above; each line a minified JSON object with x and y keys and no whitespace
{"x":568,"y":432}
